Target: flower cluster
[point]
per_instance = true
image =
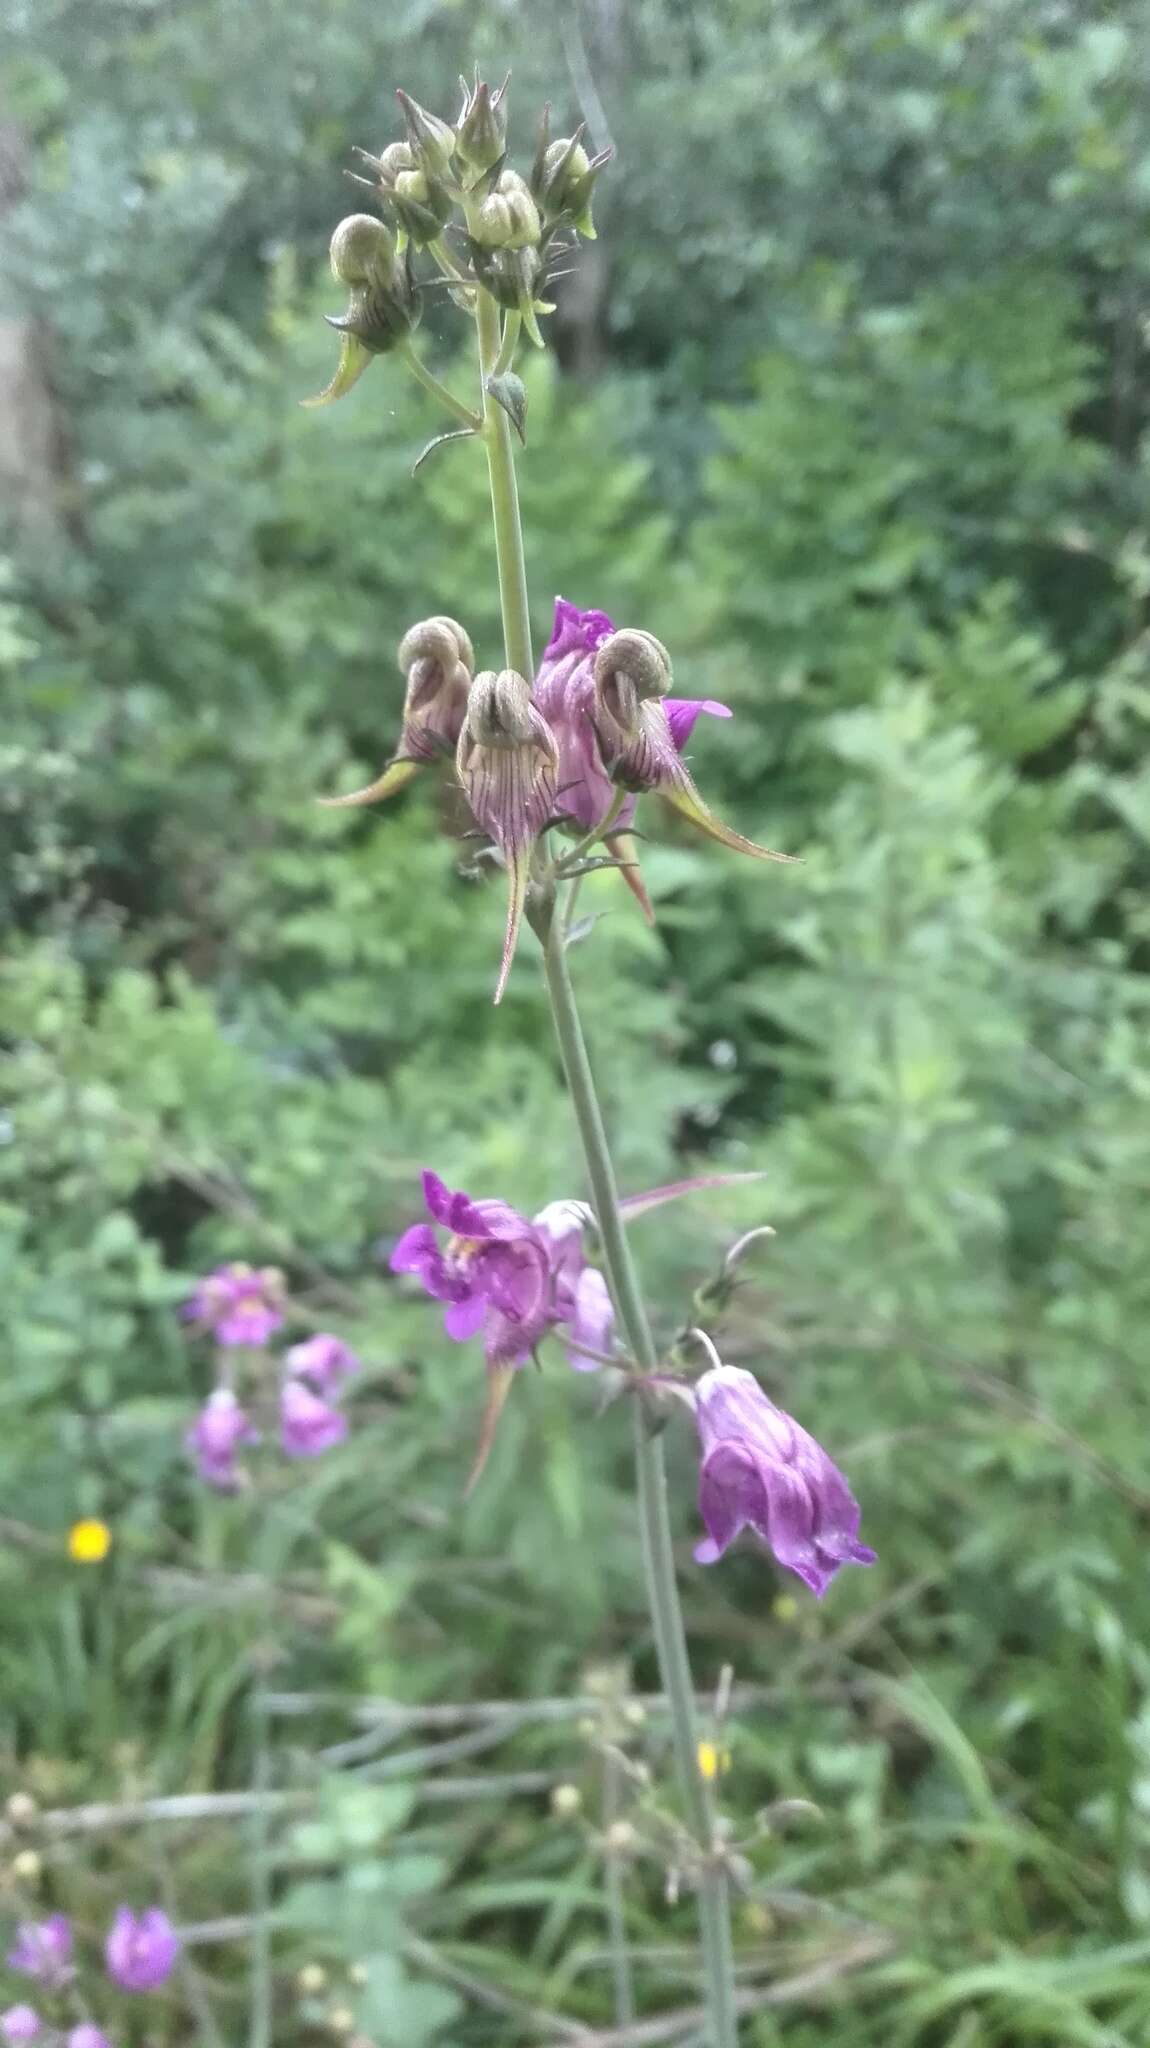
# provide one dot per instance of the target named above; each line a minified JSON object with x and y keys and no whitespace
{"x":511,"y":1282}
{"x":139,"y":1954}
{"x":575,"y":748}
{"x":242,"y":1309}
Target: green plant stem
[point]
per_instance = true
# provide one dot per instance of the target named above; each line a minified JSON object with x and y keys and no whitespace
{"x":504,"y":498}
{"x":621,"y":1972}
{"x":658,"y":1550}
{"x":431,"y":383}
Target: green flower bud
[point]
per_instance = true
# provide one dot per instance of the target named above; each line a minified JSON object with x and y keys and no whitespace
{"x":481,"y":132}
{"x":508,"y":218}
{"x":362,"y":251}
{"x":431,"y":139}
{"x":422,"y":205}
{"x":565,"y":180}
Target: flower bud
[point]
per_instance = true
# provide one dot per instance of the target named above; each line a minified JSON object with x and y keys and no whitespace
{"x":422,"y":205}
{"x":396,"y":158}
{"x":566,"y":1801}
{"x":508,"y":763}
{"x":432,"y":141}
{"x":311,"y":1979}
{"x":341,"y":2020}
{"x":513,"y":277}
{"x":362,"y":251}
{"x":631,"y":668}
{"x":508,"y":218}
{"x":565,"y":180}
{"x":481,"y":133}
{"x":440,"y":640}
{"x":621,"y":1838}
{"x":27,"y":1867}
{"x":22,"y":1810}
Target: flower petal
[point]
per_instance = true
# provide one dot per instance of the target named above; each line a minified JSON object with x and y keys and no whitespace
{"x":638,"y":1205}
{"x":682,"y":713}
{"x":395,"y":776}
{"x":464,"y":1319}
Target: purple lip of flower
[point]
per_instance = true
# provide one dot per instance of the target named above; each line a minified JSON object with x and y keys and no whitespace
{"x":238,"y":1305}
{"x":141,"y":1949}
{"x":506,"y":1278}
{"x":43,"y":1949}
{"x":19,"y":2024}
{"x":761,"y":1470}
{"x":324,"y":1361}
{"x":214,"y":1438}
{"x":308,"y":1425}
{"x":88,"y":2036}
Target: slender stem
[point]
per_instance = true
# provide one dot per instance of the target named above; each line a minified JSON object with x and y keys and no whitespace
{"x":504,"y":498}
{"x":260,"y":1981}
{"x":430,"y":382}
{"x":658,"y":1550}
{"x":510,"y":343}
{"x":621,"y":1972}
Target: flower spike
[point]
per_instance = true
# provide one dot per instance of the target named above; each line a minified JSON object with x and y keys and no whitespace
{"x":508,"y":763}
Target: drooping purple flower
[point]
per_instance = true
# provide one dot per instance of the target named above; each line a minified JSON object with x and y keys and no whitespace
{"x":88,"y":2036}
{"x":43,"y":1949}
{"x":567,"y":695}
{"x":581,"y":1295}
{"x":495,"y":1274}
{"x":141,"y":1949}
{"x":437,"y":658}
{"x":308,"y":1425}
{"x":641,"y":731}
{"x":216,"y":1435}
{"x":19,"y":2024}
{"x":323,"y":1361}
{"x":761,"y":1470}
{"x":238,"y":1304}
{"x":508,"y":763}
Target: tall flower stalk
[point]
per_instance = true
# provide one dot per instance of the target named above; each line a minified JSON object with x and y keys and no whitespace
{"x":568,"y":748}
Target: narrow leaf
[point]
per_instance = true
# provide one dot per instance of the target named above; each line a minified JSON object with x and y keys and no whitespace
{"x":510,"y":392}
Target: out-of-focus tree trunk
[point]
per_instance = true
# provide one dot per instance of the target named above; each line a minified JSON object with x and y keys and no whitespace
{"x":32,"y":464}
{"x":582,"y":300}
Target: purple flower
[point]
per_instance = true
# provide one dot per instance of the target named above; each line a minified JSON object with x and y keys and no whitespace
{"x":508,"y":763}
{"x":239,"y":1305}
{"x":495,"y":1275}
{"x":88,"y":2036}
{"x":20,"y":2023}
{"x":43,"y":1949}
{"x":308,"y":1425}
{"x":214,"y":1438}
{"x":508,"y":1279}
{"x":141,"y":1949}
{"x":580,"y":1291}
{"x":325,"y":1361}
{"x":760,"y":1470}
{"x":437,"y":659}
{"x":567,"y":695}
{"x":641,"y":731}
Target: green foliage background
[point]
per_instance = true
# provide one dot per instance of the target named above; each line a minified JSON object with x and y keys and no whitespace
{"x":865,"y":444}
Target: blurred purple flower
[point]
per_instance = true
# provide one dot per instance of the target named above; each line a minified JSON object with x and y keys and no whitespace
{"x":20,"y":2023}
{"x":308,"y":1425}
{"x":239,"y":1305}
{"x":87,"y":2036}
{"x":217,"y":1433}
{"x":324,"y":1361}
{"x":581,"y":1298}
{"x":761,"y":1470}
{"x":509,"y":1279}
{"x":495,"y":1274}
{"x":43,"y":1949}
{"x":141,"y":1949}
